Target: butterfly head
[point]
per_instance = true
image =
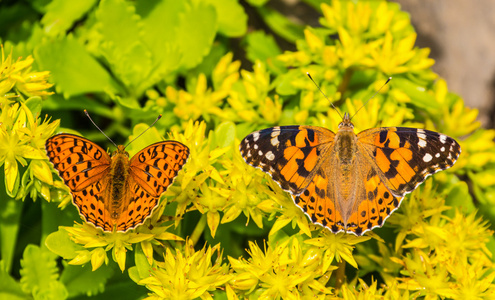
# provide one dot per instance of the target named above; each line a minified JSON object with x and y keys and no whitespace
{"x":346,"y":122}
{"x":120,"y":150}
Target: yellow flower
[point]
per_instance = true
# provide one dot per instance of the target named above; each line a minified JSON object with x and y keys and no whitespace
{"x":16,"y":142}
{"x":396,"y":56}
{"x":249,"y":194}
{"x":187,"y":274}
{"x":211,"y":202}
{"x":91,"y":237}
{"x":197,"y":171}
{"x":18,"y":74}
{"x":202,"y":102}
{"x":286,"y":270}
{"x":337,"y":246}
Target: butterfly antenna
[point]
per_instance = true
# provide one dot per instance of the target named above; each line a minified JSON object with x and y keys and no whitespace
{"x":87,"y":115}
{"x":386,"y":82}
{"x":331,"y":103}
{"x":158,"y":118}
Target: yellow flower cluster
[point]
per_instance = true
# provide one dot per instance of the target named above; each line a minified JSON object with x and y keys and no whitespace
{"x":22,"y":132}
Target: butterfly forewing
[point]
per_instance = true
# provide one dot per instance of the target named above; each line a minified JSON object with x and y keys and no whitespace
{"x":78,"y":161}
{"x":290,"y":154}
{"x":155,"y":167}
{"x":407,"y":156}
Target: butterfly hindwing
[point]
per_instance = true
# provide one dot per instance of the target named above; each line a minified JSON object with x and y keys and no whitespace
{"x":90,"y":202}
{"x":138,"y":206}
{"x":314,"y":202}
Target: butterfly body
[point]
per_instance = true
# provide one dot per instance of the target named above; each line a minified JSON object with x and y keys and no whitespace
{"x":115,"y":192}
{"x":117,"y":182}
{"x":346,"y":181}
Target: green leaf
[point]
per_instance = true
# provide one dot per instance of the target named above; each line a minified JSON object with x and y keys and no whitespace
{"x":143,"y":268}
{"x":149,"y":136}
{"x":15,"y":24}
{"x":35,"y":104}
{"x":80,"y":280}
{"x":9,"y":288}
{"x":232,"y":20}
{"x":73,"y":70}
{"x":139,"y":51}
{"x":60,"y":243}
{"x":61,"y":15}
{"x":420,"y":97}
{"x":490,"y":245}
{"x":128,"y":56}
{"x":209,"y":62}
{"x":160,"y":20}
{"x":458,"y":196}
{"x":39,"y":272}
{"x":281,"y":25}
{"x":54,"y":291}
{"x":257,"y":2}
{"x":10,"y":214}
{"x":315,"y":4}
{"x":263,"y":47}
{"x":118,"y":25}
{"x":197,"y":30}
{"x":178,"y":34}
{"x":224,"y":135}
{"x":283,"y":83}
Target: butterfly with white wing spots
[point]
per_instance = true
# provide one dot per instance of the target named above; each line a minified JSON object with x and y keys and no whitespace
{"x":346,"y":181}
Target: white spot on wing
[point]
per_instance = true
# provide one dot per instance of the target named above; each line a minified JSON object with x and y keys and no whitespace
{"x":256,"y":136}
{"x":443,"y":138}
{"x":422,"y":138}
{"x":269,"y":155}
{"x":427,"y":157}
